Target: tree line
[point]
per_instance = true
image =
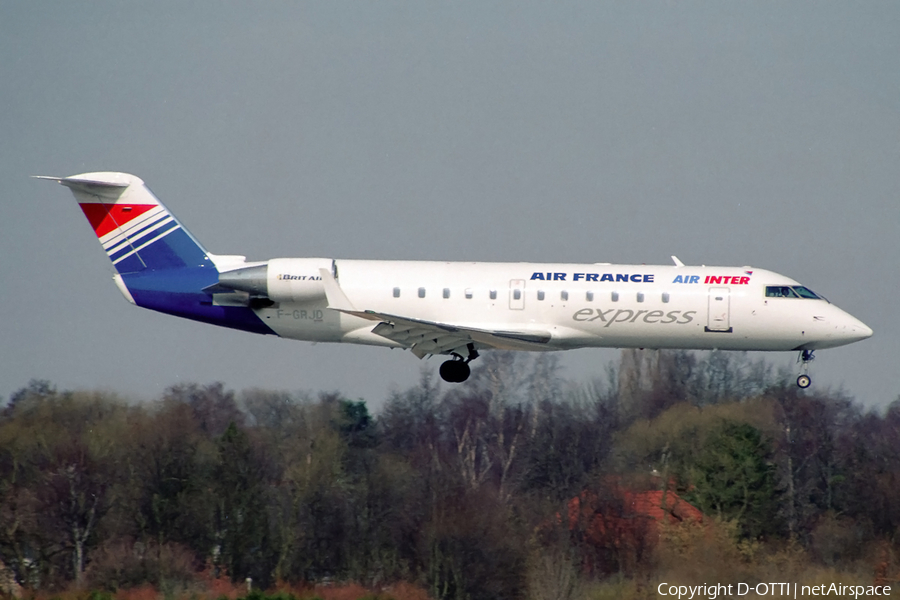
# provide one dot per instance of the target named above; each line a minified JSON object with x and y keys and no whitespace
{"x":465,"y":490}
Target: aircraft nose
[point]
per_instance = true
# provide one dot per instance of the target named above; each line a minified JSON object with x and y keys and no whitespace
{"x":854,"y":330}
{"x":837,"y":327}
{"x":863,"y":330}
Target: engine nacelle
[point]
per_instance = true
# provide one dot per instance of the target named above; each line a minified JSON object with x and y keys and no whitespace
{"x":281,"y":279}
{"x":297,"y":279}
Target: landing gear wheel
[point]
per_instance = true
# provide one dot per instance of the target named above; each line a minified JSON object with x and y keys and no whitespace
{"x":455,"y":371}
{"x":806,"y":357}
{"x":448,"y":371}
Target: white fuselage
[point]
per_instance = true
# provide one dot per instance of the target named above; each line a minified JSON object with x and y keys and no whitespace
{"x":588,"y":305}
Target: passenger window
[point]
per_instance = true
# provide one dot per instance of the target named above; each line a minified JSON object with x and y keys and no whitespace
{"x":615,"y":296}
{"x":665,"y":297}
{"x":589,"y":296}
{"x":396,"y":292}
{"x":468,"y":293}
{"x":446,"y":292}
{"x":421,"y":292}
{"x":564,"y":295}
{"x":517,"y":294}
{"x":493,"y":294}
{"x":540,"y":295}
{"x":640,"y":296}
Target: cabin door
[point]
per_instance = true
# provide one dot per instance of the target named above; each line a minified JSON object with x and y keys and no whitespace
{"x":719,"y":316}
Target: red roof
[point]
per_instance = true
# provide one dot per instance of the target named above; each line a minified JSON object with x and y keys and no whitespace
{"x":622,"y":525}
{"x":625,"y":516}
{"x":662,"y":505}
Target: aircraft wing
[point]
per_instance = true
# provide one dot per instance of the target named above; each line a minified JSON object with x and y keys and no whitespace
{"x":430,"y":337}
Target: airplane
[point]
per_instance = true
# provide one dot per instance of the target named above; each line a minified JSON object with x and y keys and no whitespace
{"x":456,"y":309}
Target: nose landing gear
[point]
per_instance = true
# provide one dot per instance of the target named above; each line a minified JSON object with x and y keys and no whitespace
{"x":806,"y":357}
{"x":456,"y":370}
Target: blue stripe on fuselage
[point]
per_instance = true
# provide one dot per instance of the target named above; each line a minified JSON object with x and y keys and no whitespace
{"x":178,"y":292}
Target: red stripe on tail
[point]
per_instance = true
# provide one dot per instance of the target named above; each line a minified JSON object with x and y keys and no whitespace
{"x":106,"y":217}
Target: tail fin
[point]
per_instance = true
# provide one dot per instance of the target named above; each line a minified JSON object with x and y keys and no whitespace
{"x":136,"y":230}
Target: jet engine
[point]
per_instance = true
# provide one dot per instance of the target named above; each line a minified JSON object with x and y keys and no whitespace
{"x":280,"y":279}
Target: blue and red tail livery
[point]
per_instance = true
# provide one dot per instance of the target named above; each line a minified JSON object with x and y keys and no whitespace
{"x":133,"y":226}
{"x":159,"y":263}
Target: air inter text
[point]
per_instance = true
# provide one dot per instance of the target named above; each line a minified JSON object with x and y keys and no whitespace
{"x":717,"y":279}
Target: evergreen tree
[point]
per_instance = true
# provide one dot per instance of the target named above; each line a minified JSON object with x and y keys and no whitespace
{"x":733,"y":477}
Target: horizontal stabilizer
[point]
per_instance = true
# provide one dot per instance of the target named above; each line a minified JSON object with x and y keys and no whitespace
{"x":108,"y":189}
{"x":78,"y":182}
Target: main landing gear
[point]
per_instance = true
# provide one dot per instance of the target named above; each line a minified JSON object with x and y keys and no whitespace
{"x":456,"y":370}
{"x":806,"y":357}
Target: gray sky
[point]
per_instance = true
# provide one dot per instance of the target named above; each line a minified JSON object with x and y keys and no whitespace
{"x":763,"y":133}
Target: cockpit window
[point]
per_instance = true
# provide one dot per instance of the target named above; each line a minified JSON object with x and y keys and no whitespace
{"x":779,"y":291}
{"x":805,"y":292}
{"x":790,"y":291}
